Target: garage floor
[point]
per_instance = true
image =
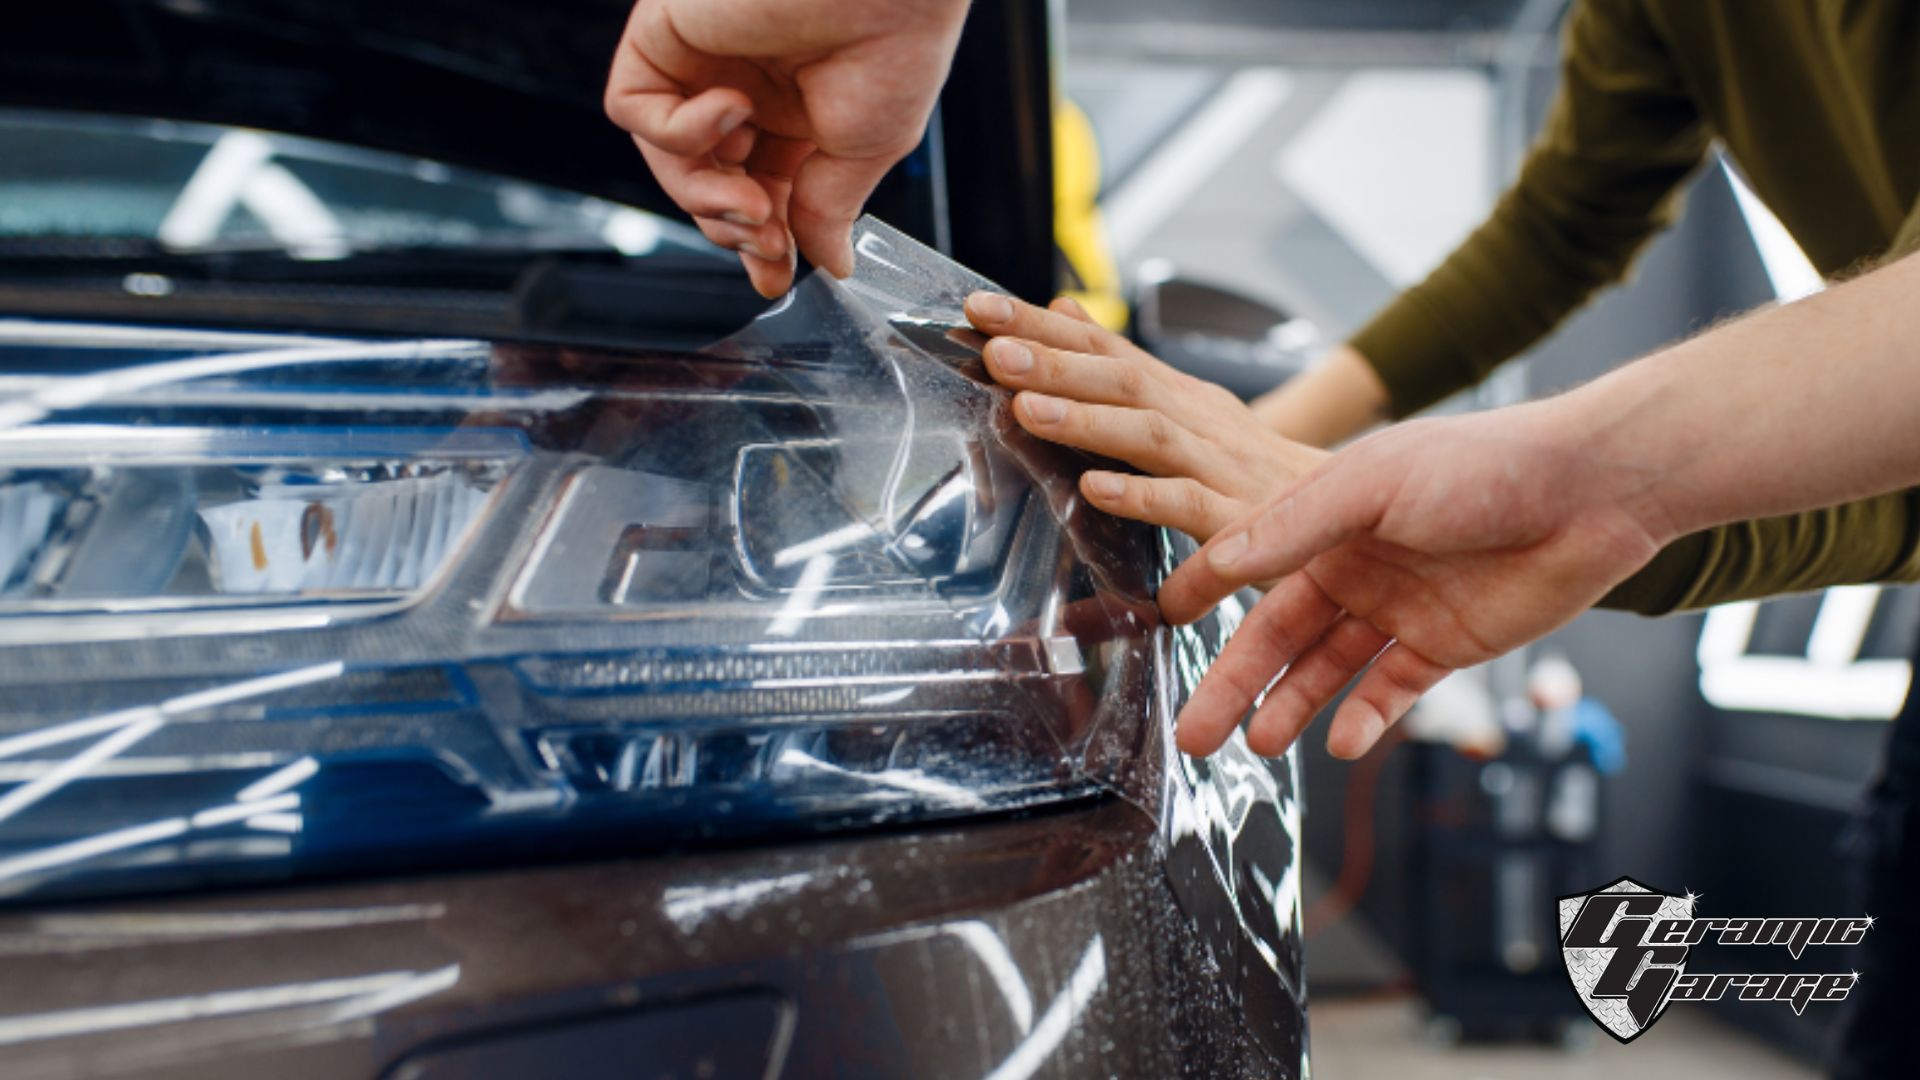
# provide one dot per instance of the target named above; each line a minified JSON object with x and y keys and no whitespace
{"x":1383,"y":1040}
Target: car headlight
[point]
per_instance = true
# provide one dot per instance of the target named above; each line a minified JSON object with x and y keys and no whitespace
{"x":336,"y":605}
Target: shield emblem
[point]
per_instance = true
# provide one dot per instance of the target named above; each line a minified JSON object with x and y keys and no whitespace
{"x":1623,"y":981}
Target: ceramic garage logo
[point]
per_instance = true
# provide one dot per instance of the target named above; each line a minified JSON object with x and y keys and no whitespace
{"x":1625,"y":947}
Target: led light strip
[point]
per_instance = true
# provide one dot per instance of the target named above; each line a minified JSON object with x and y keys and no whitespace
{"x":1829,"y":681}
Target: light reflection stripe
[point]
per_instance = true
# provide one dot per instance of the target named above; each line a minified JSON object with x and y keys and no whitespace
{"x":118,"y":839}
{"x":285,"y":823}
{"x":76,"y":766}
{"x":104,"y":1018}
{"x":83,"y":390}
{"x":823,"y":544}
{"x":223,"y":815}
{"x":140,"y":723}
{"x":805,"y":598}
{"x":220,"y":695}
{"x":133,"y":836}
{"x":992,"y":952}
{"x":266,"y":684}
{"x":71,"y":730}
{"x":914,"y":780}
{"x":144,"y":338}
{"x":425,"y":984}
{"x":228,"y":923}
{"x":279,"y":780}
{"x":990,"y":949}
{"x":1032,"y":1053}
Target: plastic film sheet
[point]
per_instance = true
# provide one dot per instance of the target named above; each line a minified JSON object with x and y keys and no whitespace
{"x":272,"y":610}
{"x":331,"y":607}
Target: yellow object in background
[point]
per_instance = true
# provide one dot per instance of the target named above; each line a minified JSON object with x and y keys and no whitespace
{"x":1088,"y":273}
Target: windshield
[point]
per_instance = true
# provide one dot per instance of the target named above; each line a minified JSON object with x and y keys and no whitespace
{"x":93,"y":179}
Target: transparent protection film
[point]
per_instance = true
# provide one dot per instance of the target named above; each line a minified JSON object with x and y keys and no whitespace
{"x":278,"y":606}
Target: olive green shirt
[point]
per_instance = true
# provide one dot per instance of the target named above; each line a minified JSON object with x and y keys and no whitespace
{"x":1817,"y":102}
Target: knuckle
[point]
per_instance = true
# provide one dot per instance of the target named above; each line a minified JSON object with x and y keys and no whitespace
{"x":1280,"y":643}
{"x":1130,"y":383}
{"x":1217,"y":396}
{"x":1248,"y":684}
{"x":1282,"y":704}
{"x":1320,"y":679}
{"x":1053,"y":367}
{"x":1160,"y":432}
{"x":1104,"y":341}
{"x":1279,"y":518}
{"x":1196,"y":498}
{"x":1395,"y":684}
{"x":1350,"y":649}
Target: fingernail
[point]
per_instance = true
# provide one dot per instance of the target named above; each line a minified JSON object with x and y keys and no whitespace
{"x":753,"y":249}
{"x":738,"y":218}
{"x":1106,"y":485}
{"x":1012,"y":357}
{"x":1045,"y":410}
{"x":733,"y":118}
{"x":992,"y":308}
{"x":1228,"y":551}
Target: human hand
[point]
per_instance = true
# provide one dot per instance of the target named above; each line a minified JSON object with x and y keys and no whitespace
{"x":771,"y":121}
{"x":1340,"y":397}
{"x":1209,"y":460}
{"x":1430,"y":547}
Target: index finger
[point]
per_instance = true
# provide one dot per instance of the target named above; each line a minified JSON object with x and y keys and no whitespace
{"x":1319,"y":511}
{"x":643,"y":98}
{"x":1011,"y":317}
{"x":1285,"y":623}
{"x":678,"y":133}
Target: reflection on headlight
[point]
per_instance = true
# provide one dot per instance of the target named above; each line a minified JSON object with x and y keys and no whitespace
{"x":561,"y":600}
{"x":26,"y":517}
{"x":96,"y":519}
{"x":379,"y":536}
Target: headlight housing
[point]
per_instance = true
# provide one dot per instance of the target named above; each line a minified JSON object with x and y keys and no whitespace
{"x":335,"y":605}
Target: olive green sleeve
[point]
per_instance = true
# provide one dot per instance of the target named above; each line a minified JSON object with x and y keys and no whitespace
{"x":1874,"y":539}
{"x":1602,"y":178}
{"x":1907,"y":241}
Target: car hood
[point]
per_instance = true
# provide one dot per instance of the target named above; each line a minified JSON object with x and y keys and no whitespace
{"x":511,"y":88}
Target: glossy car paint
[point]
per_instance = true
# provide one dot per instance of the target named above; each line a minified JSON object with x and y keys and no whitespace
{"x":1143,"y":919}
{"x":1112,"y":937}
{"x":1051,"y":946}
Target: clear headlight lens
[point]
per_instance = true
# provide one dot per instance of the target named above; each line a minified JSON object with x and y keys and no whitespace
{"x":344,"y":605}
{"x":302,"y":534}
{"x":99,"y":518}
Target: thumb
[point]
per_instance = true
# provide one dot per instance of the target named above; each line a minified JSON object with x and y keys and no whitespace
{"x":828,"y":194}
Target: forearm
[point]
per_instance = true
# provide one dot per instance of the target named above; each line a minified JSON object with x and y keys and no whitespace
{"x":1796,"y":407}
{"x":1332,"y":403}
